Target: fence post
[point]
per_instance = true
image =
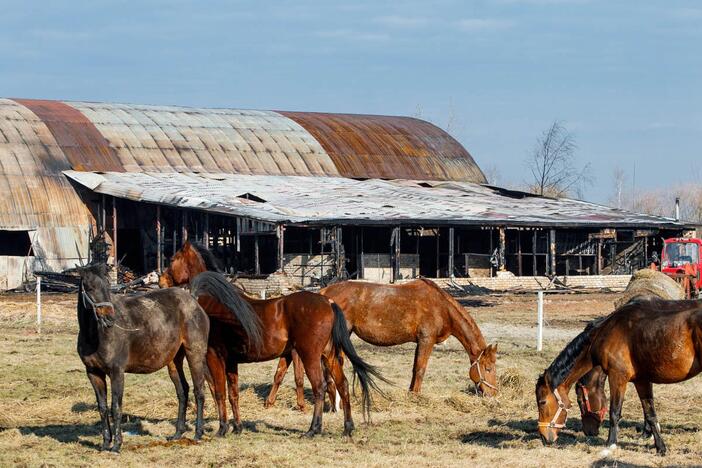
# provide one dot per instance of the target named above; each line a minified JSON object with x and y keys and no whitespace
{"x":540,"y":321}
{"x":39,"y":304}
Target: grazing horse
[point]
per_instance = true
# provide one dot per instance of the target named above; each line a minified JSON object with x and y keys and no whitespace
{"x":418,"y":311}
{"x":139,"y":334}
{"x":644,"y":342}
{"x":307,"y":323}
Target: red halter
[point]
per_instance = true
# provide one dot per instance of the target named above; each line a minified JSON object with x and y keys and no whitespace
{"x":588,"y":409}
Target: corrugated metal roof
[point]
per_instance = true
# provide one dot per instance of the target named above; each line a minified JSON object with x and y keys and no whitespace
{"x":324,"y":200}
{"x":382,"y":147}
{"x":34,"y":192}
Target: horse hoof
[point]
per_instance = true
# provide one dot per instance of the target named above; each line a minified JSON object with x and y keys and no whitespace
{"x":268,"y":404}
{"x":309,"y":434}
{"x":115,"y":450}
{"x":237,"y":428}
{"x":198,"y":435}
{"x":301,"y":408}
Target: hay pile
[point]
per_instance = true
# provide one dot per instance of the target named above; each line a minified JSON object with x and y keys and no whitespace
{"x":650,"y":283}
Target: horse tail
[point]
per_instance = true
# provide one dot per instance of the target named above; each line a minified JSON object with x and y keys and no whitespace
{"x":215,"y":284}
{"x":364,"y":371}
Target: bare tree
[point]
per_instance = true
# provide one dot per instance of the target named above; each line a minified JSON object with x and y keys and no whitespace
{"x":553,"y":166}
{"x":492,"y":174}
{"x":619,"y":179}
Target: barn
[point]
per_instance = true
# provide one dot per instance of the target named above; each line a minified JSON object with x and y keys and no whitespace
{"x":310,"y":197}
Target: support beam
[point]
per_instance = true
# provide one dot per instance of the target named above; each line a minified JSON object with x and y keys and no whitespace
{"x":501,"y":261}
{"x":395,"y":254}
{"x":533,"y":253}
{"x":280,"y":233}
{"x":114,"y":231}
{"x":438,"y":272}
{"x":159,"y":240}
{"x":256,"y":256}
{"x":519,"y":252}
{"x":184,"y":226}
{"x":206,"y":231}
{"x":452,"y":252}
{"x":552,"y":251}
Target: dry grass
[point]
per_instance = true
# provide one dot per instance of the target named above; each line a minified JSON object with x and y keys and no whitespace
{"x":47,"y":408}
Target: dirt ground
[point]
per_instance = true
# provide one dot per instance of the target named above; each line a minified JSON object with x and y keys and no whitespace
{"x":48,"y":414}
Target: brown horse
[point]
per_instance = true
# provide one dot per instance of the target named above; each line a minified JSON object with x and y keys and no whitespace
{"x":418,"y":311}
{"x":592,"y":400}
{"x":304,"y":322}
{"x":644,"y":342}
{"x":140,"y":335}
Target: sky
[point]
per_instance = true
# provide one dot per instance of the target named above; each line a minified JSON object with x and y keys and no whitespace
{"x":625,"y":77}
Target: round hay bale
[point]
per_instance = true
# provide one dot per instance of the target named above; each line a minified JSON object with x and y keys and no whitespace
{"x":649,"y":283}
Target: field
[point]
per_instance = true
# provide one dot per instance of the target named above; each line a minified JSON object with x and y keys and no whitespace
{"x":48,"y":414}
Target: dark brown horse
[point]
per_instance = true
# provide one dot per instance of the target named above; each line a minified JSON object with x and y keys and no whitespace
{"x":644,"y":342}
{"x":307,"y":323}
{"x":418,"y":311}
{"x":139,"y":334}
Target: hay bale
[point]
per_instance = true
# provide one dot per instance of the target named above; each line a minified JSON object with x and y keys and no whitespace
{"x":649,"y":283}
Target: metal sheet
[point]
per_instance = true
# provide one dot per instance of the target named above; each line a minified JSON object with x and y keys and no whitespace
{"x":375,"y":146}
{"x":328,"y":200}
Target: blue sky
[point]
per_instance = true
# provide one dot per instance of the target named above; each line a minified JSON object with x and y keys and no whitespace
{"x":625,"y":76}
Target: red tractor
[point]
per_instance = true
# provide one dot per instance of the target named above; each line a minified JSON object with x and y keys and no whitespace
{"x":681,"y":261}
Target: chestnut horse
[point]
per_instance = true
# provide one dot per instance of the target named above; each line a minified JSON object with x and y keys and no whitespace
{"x":418,"y":311}
{"x":644,"y":342}
{"x":307,"y":323}
{"x":592,"y":400}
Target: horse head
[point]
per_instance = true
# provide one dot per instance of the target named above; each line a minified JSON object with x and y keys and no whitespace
{"x":95,"y":292}
{"x":592,"y":400}
{"x":553,"y":409}
{"x":483,"y":371}
{"x":185,"y":265}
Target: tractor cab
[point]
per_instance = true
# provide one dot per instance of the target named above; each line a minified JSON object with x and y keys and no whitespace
{"x":681,"y":261}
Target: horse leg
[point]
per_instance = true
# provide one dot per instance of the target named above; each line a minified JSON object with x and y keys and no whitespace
{"x":299,"y":373}
{"x":617,"y":389}
{"x":421,"y":358}
{"x":332,"y":392}
{"x":283,"y":364}
{"x":197,"y":366}
{"x":645,"y":391}
{"x":175,"y":372}
{"x":313,"y":368}
{"x":117,"y":383}
{"x":97,"y":379}
{"x":335,"y":369}
{"x":233,"y":384}
{"x":218,"y":386}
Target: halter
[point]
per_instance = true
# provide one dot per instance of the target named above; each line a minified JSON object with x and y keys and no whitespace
{"x":94,"y":306}
{"x":481,"y":380}
{"x":561,"y":408}
{"x":588,"y":409}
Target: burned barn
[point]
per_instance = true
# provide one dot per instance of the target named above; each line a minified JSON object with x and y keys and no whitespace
{"x":309,"y":196}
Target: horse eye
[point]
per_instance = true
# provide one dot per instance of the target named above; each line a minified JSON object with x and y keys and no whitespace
{"x":542,"y":402}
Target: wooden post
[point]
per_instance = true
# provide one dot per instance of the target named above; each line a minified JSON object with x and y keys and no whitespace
{"x":159,"y":259}
{"x":362,"y":262}
{"x":206,"y":231}
{"x":599,"y":256}
{"x":519,"y":252}
{"x":501,"y":263}
{"x":438,"y":273}
{"x":184,"y":227}
{"x":540,"y":321}
{"x":533,"y":253}
{"x":114,"y":231}
{"x":552,"y":250}
{"x":451,"y":252}
{"x":280,"y":230}
{"x":103,"y":214}
{"x":395,"y":254}
{"x":256,"y":256}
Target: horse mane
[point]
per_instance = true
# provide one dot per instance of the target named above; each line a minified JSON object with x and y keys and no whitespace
{"x":211,"y":262}
{"x":561,"y":367}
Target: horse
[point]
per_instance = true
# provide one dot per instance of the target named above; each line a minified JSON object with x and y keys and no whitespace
{"x":139,"y":334}
{"x":644,"y":342}
{"x":417,"y":311}
{"x":307,"y":323}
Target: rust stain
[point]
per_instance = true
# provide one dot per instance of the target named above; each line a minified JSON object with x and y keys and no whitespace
{"x":84,"y":146}
{"x":374,"y":146}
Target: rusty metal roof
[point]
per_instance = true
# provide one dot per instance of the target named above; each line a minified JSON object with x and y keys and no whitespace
{"x":33,"y":191}
{"x":136,"y":138}
{"x":331,"y":200}
{"x":381,"y":147}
